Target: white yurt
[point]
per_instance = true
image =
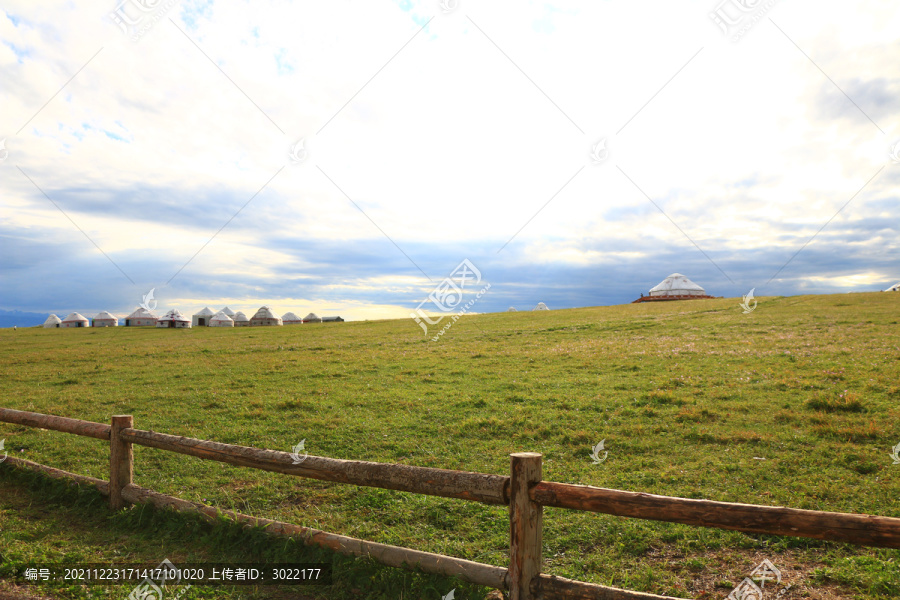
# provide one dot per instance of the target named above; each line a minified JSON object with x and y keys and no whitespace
{"x":290,"y":318}
{"x":511,"y":309}
{"x":228,"y":312}
{"x":52,"y":321}
{"x":141,"y":318}
{"x":75,"y":320}
{"x":241,"y":320}
{"x":312,"y":318}
{"x":894,"y":288}
{"x":174,"y":320}
{"x":677,"y":284}
{"x":220,"y":319}
{"x":105,"y":319}
{"x":265,"y":316}
{"x":201,"y":319}
{"x":540,"y":306}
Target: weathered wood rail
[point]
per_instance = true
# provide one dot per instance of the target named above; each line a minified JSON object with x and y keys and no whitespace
{"x":524,"y":491}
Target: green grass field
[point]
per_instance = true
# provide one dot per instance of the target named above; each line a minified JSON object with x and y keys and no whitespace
{"x":795,"y":404}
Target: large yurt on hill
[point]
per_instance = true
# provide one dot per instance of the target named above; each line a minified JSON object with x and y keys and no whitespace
{"x":894,"y":288}
{"x":265,"y":316}
{"x":312,"y":318}
{"x":290,"y":318}
{"x":174,"y":320}
{"x":541,"y":306}
{"x":220,"y":319}
{"x":105,"y":319}
{"x":75,"y":320}
{"x":511,"y":309}
{"x":201,"y":318}
{"x":241,"y":320}
{"x":675,"y":287}
{"x":141,"y":318}
{"x":52,"y":321}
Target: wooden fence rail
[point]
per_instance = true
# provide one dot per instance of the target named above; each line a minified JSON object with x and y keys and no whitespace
{"x":523,"y":491}
{"x":489,"y":489}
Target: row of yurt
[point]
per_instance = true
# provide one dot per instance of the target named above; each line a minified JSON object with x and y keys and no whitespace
{"x":540,"y":306}
{"x":103,"y":319}
{"x":226,"y":317}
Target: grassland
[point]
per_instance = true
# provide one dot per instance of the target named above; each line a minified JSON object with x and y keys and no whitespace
{"x":795,"y":404}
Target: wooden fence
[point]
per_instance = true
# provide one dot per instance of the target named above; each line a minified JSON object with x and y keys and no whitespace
{"x":523,"y":490}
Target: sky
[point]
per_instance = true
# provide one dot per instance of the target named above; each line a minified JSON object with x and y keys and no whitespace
{"x":345,"y":158}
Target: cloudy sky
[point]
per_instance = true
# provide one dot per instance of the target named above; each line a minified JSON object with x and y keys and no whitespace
{"x":345,"y":157}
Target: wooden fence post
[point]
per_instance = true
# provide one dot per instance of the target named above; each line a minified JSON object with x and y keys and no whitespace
{"x":121,"y":461}
{"x":525,"y":524}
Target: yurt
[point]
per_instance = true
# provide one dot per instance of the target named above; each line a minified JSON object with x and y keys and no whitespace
{"x":540,"y":306}
{"x":201,"y":319}
{"x":677,"y":284}
{"x":332,"y":320}
{"x":312,"y":318}
{"x":241,"y":320}
{"x":105,"y":319}
{"x":75,"y":320}
{"x":228,"y":312}
{"x":141,"y":318}
{"x":511,"y":309}
{"x":894,"y":288}
{"x":675,"y":287}
{"x":290,"y":318}
{"x":174,"y":320}
{"x":220,"y":319}
{"x":265,"y":316}
{"x":52,"y":321}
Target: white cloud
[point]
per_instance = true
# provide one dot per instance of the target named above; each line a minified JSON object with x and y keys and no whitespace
{"x":446,"y":146}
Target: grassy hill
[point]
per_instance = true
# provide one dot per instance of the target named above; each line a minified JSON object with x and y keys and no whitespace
{"x":795,"y":404}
